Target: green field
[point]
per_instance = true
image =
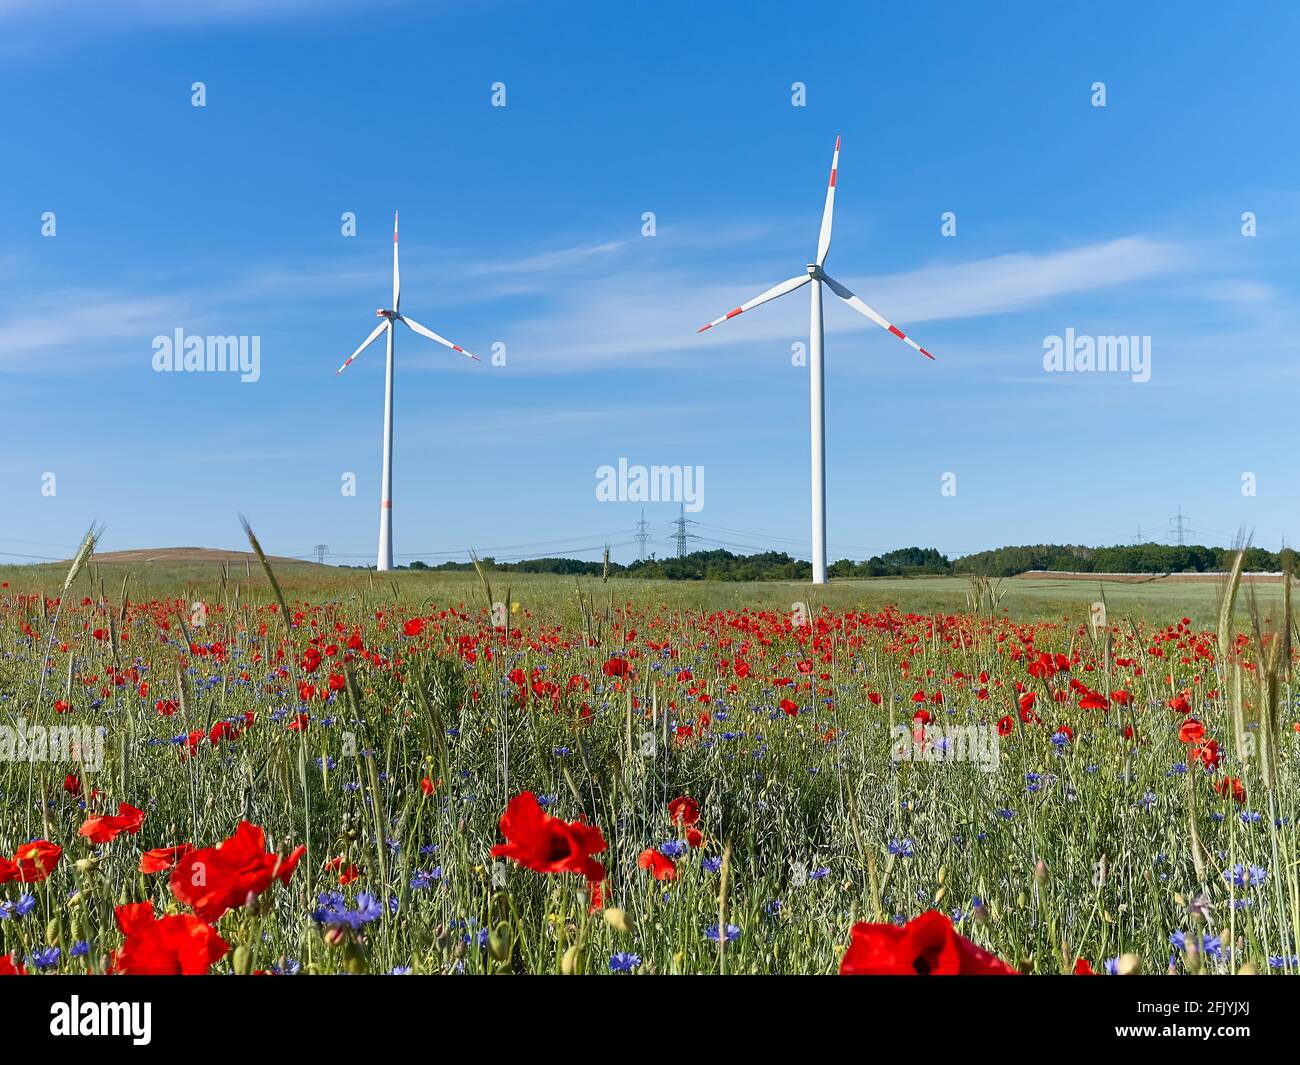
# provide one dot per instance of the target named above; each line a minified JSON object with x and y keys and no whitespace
{"x":1022,"y":598}
{"x":1062,"y":797}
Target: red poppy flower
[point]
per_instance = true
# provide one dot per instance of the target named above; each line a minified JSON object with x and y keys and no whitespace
{"x":661,"y":866}
{"x":216,"y":879}
{"x":35,"y":861}
{"x":175,"y":945}
{"x":414,"y":627}
{"x":104,"y":828}
{"x":160,"y":859}
{"x":1233,"y":786}
{"x":684,"y":810}
{"x":1180,"y":704}
{"x":789,"y":707}
{"x":1083,"y":967}
{"x":72,"y":785}
{"x":8,"y":968}
{"x":547,"y":844}
{"x":1005,"y":725}
{"x":1192,"y":731}
{"x":925,"y":946}
{"x":694,"y":837}
{"x":615,"y":667}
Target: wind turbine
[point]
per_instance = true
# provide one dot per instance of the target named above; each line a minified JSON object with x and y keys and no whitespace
{"x":388,"y":320}
{"x":816,"y":276}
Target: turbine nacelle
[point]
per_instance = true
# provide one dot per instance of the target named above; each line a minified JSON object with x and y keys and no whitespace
{"x":815,"y":271}
{"x":390,"y":315}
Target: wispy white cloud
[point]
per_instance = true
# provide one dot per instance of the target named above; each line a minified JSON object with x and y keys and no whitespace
{"x":171,"y":12}
{"x":644,"y":314}
{"x":77,"y":324}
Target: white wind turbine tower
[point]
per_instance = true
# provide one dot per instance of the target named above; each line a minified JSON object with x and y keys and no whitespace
{"x":388,"y":320}
{"x":815,"y":276}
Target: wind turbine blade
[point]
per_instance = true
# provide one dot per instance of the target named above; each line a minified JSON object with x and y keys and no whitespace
{"x":862,"y":308}
{"x":824,"y":240}
{"x":770,"y":294}
{"x":397,"y":274}
{"x":424,"y":331}
{"x":364,"y":344}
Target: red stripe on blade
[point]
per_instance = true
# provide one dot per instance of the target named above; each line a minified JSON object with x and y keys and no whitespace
{"x":898,"y":332}
{"x":732,"y":314}
{"x":832,"y":177}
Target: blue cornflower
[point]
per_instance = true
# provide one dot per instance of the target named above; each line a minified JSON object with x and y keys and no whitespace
{"x":900,"y":848}
{"x":1242,"y":876}
{"x":711,"y":865}
{"x":733,"y":932}
{"x":623,"y":962}
{"x":674,"y":848}
{"x":819,"y":874}
{"x":46,"y":957}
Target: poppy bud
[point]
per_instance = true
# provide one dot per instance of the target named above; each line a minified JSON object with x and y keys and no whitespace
{"x":242,"y":960}
{"x":571,"y":962}
{"x":499,"y":942}
{"x":87,"y":865}
{"x":619,"y":921}
{"x":1129,"y":965}
{"x":1248,"y":970}
{"x":53,"y":933}
{"x":1040,"y":872}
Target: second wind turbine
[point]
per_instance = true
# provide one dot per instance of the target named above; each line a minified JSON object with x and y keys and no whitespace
{"x":387,"y":321}
{"x":816,"y":276}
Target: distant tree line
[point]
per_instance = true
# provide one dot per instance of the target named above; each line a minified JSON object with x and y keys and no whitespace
{"x":1137,"y":558}
{"x":720,"y":565}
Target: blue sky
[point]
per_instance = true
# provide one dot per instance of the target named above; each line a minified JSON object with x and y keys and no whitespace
{"x":522,"y":226}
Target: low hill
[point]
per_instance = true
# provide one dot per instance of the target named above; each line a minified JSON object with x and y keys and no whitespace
{"x":170,"y":555}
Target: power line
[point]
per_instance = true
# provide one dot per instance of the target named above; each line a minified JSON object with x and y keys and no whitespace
{"x":642,"y":535}
{"x":1180,"y":523}
{"x":681,"y":535}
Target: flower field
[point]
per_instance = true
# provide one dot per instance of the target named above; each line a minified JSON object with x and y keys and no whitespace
{"x":347,"y":775}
